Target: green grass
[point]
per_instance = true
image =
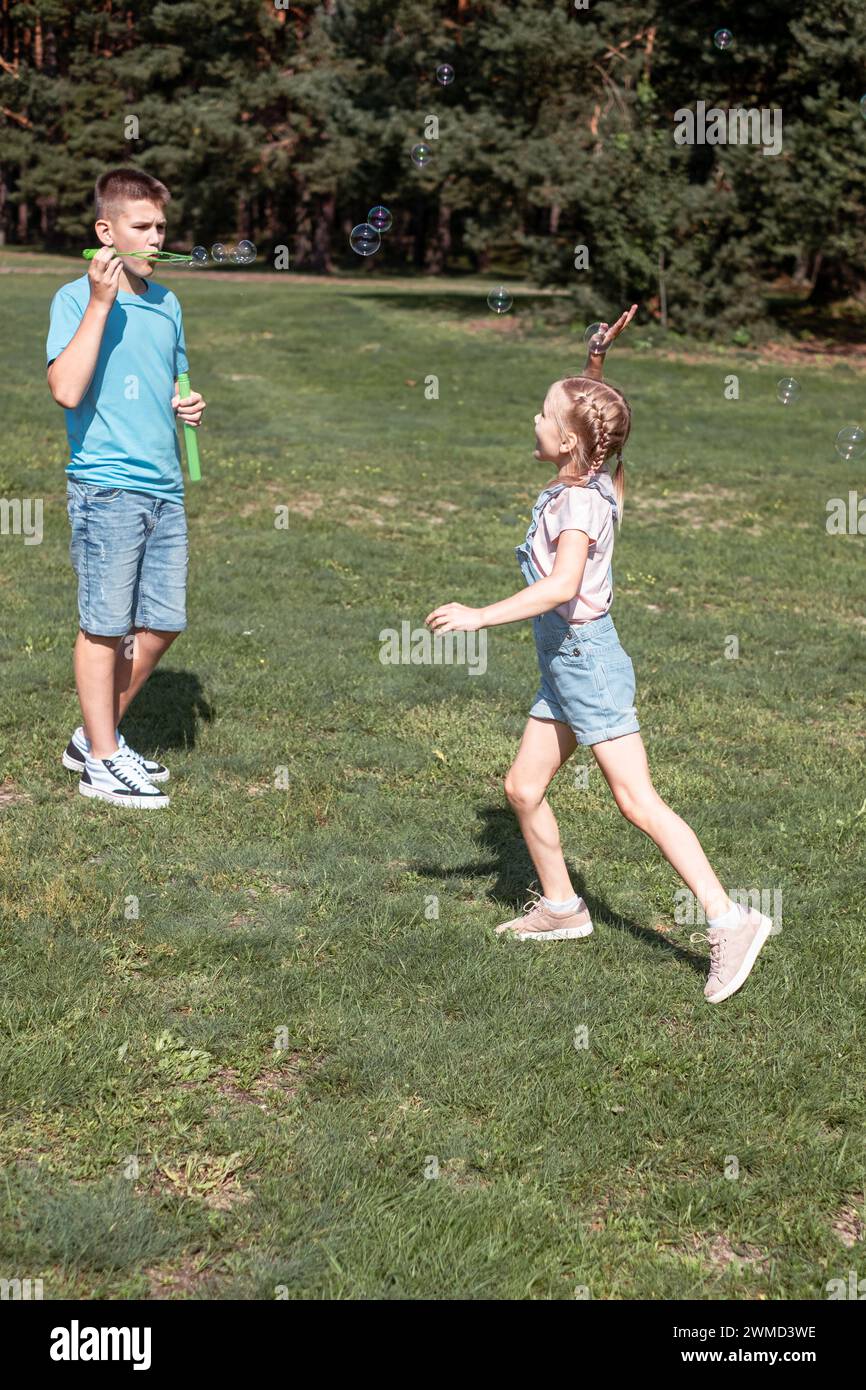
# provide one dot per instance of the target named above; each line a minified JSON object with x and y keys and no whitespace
{"x":154,"y":1141}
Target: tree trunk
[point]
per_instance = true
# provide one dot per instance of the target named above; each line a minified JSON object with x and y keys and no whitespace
{"x":323,"y":228}
{"x":299,"y":217}
{"x":419,"y":228}
{"x":439,"y":250}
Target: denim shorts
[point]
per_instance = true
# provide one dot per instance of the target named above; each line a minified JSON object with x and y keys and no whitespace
{"x":131,"y":554}
{"x":587,"y":678}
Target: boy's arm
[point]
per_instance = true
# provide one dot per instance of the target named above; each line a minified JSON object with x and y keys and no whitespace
{"x":71,"y":372}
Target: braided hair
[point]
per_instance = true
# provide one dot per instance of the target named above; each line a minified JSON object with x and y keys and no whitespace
{"x":599,"y":417}
{"x":602,"y":449}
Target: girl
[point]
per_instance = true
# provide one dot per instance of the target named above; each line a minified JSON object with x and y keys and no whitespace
{"x":587,"y":679}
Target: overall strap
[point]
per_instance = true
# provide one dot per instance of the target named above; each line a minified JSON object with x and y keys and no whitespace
{"x":540,"y":505}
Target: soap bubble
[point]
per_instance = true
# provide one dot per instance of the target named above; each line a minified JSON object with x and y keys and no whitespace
{"x":445,"y":74}
{"x":788,"y":390}
{"x":594,"y":337}
{"x":364,"y":239}
{"x":380,"y":218}
{"x":235,"y":255}
{"x":850,"y":442}
{"x":245,"y":252}
{"x":723,"y":38}
{"x":219,"y":252}
{"x":199,"y":255}
{"x":421,"y":155}
{"x":863,"y":106}
{"x":499,"y":300}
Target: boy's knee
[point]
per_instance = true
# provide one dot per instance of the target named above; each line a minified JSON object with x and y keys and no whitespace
{"x":165,"y":636}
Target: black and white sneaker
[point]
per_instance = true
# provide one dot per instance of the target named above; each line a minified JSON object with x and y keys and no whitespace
{"x":121,"y":780}
{"x":78,"y":747}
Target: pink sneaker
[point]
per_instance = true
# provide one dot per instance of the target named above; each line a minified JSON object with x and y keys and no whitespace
{"x":540,"y":924}
{"x":733,"y":953}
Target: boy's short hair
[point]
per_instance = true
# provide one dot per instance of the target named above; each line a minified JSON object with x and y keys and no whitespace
{"x":126,"y":185}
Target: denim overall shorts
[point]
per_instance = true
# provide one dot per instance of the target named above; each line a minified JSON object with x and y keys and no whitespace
{"x":587,"y":677}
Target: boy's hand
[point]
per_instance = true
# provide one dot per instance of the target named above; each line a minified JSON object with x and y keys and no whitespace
{"x":455,"y":617}
{"x":104,"y":276}
{"x":189,"y":410}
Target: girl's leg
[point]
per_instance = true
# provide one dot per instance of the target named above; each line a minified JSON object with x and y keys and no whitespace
{"x":624,"y":764}
{"x":545,"y":746}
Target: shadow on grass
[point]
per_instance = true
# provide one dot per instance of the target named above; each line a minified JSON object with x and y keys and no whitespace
{"x":509,"y":859}
{"x":166,"y":711}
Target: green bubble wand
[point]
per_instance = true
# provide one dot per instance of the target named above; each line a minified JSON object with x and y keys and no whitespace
{"x":189,"y":433}
{"x":146,"y":255}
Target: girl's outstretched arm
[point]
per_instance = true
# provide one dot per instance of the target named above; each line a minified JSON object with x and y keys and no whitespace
{"x":595,"y":357}
{"x":561,"y":585}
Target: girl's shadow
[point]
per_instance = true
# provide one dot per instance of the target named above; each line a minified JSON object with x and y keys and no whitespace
{"x":509,"y":859}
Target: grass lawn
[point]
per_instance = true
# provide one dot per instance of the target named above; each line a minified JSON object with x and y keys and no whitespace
{"x":254,"y":1081}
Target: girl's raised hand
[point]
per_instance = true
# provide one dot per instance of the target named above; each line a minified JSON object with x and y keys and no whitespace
{"x":608,"y":332}
{"x":454,"y":617}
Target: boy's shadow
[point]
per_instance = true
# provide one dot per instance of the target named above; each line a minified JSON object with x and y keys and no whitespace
{"x":509,"y":859}
{"x":166,"y":711}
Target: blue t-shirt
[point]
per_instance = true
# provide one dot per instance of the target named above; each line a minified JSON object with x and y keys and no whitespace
{"x":123,"y":432}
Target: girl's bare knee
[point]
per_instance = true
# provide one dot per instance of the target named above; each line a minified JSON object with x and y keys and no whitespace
{"x":523,"y":796}
{"x":641,"y":811}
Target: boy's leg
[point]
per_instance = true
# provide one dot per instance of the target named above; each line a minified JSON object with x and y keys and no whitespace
{"x":160,"y":607}
{"x":137,"y":656}
{"x":624,"y":764}
{"x":94,"y":660}
{"x":106,"y":545}
{"x":545,"y":746}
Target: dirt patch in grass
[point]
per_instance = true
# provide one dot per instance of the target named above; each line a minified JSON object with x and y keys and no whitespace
{"x":242,"y":919}
{"x":352,"y":512}
{"x":214,"y":1180}
{"x":686,"y":507}
{"x":274,"y":1086}
{"x":498,"y":323}
{"x":599,"y":1214}
{"x":718,"y":1253}
{"x":848,"y":1225}
{"x":814,"y":352}
{"x":459,"y":1173}
{"x":663,"y":925}
{"x":175,"y":1281}
{"x":10,"y":795}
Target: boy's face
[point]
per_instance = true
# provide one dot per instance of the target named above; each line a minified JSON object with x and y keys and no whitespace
{"x":135,"y":225}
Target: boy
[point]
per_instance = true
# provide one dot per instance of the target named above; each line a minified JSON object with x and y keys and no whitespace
{"x":115,"y":348}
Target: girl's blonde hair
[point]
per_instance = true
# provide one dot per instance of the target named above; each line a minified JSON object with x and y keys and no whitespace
{"x":600,"y":417}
